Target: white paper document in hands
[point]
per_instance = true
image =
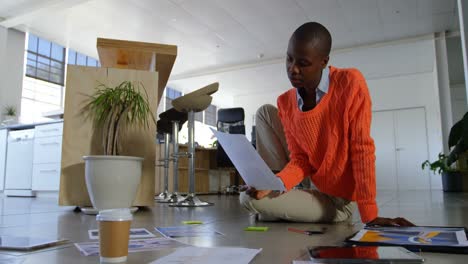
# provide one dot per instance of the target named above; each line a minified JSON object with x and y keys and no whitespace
{"x":248,"y":163}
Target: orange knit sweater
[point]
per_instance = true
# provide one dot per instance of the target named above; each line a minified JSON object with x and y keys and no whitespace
{"x":331,"y":143}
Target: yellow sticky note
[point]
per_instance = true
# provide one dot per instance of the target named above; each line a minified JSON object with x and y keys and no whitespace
{"x":192,"y":222}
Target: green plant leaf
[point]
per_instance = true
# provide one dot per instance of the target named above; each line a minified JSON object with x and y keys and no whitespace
{"x":115,"y":108}
{"x":9,"y":110}
{"x":439,"y":166}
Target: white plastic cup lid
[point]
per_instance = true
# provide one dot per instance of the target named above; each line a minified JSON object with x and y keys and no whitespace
{"x":120,"y":214}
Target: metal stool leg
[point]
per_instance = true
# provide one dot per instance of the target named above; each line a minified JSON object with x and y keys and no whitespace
{"x":175,"y":197}
{"x":161,"y":195}
{"x":191,"y":200}
{"x":165,"y":194}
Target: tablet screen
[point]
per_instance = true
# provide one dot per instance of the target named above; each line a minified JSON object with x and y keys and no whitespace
{"x":26,"y":243}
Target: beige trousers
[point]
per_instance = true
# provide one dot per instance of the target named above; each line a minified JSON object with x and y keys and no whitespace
{"x":295,"y":205}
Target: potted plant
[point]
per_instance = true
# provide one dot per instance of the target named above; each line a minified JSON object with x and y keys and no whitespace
{"x":112,"y":180}
{"x":9,"y":114}
{"x":451,"y":177}
{"x":454,"y":176}
{"x":458,"y":139}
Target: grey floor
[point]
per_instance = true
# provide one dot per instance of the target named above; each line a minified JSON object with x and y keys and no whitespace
{"x":42,"y":217}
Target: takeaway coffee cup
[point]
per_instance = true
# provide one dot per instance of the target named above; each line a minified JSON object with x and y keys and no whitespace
{"x":114,"y":233}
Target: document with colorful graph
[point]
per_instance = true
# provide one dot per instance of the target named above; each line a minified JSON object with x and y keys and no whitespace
{"x":413,"y":236}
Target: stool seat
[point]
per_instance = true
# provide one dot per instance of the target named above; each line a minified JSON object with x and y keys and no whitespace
{"x":196,"y":101}
{"x":164,"y":126}
{"x":172,"y":115}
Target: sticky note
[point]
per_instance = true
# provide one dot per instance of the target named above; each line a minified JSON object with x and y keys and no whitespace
{"x":192,"y":222}
{"x":256,"y":228}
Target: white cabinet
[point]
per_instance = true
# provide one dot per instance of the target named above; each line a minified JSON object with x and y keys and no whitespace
{"x":49,"y":130}
{"x":47,"y":150}
{"x":46,"y":177}
{"x":3,"y":149}
{"x":47,"y":157}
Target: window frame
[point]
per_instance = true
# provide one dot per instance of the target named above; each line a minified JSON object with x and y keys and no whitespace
{"x":49,"y":66}
{"x":214,"y":114}
{"x":87,"y":59}
{"x":170,"y":94}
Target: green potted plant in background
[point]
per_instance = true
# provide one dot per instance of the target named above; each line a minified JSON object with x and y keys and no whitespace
{"x":112,"y":180}
{"x":9,"y":114}
{"x":451,"y":177}
{"x":454,"y":176}
{"x":458,"y":139}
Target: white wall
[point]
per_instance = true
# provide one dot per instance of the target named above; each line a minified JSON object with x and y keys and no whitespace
{"x":399,"y":74}
{"x":222,"y":100}
{"x":403,"y":76}
{"x":248,"y":87}
{"x":11,"y":67}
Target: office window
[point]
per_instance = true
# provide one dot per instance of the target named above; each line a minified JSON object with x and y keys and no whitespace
{"x":45,"y":60}
{"x":160,"y":107}
{"x":199,"y":116}
{"x":210,"y":115}
{"x":77,"y":58}
{"x":39,"y":97}
{"x":44,"y":77}
{"x":171,"y":94}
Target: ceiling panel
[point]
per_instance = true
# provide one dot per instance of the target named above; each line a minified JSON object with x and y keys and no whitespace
{"x":361,"y":28}
{"x":238,"y":37}
{"x":171,"y":14}
{"x":284,"y":15}
{"x":437,"y":6}
{"x":209,"y":13}
{"x":13,"y":7}
{"x":270,"y":22}
{"x":254,"y":19}
{"x":398,"y":11}
{"x":330,"y":14}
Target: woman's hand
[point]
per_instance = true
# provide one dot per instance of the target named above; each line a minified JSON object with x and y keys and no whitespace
{"x":258,"y":194}
{"x":382,"y":221}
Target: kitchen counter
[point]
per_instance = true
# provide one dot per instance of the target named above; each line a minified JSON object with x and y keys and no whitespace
{"x":19,"y":126}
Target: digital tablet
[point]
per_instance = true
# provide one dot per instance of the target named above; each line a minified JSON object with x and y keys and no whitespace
{"x":27,"y":243}
{"x":366,"y":254}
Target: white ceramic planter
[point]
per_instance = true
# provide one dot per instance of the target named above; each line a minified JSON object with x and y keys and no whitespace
{"x":112,"y":181}
{"x":8,"y":119}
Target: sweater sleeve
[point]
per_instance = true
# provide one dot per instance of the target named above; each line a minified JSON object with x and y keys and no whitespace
{"x":362,"y":152}
{"x":298,"y":166}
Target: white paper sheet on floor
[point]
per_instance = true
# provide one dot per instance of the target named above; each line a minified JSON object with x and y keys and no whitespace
{"x":248,"y":163}
{"x":198,"y":255}
{"x":135,"y":245}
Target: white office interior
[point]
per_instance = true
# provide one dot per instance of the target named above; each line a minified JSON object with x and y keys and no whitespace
{"x":405,"y":59}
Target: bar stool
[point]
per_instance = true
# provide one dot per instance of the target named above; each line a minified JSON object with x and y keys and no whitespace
{"x":176,"y":119}
{"x":191,"y":103}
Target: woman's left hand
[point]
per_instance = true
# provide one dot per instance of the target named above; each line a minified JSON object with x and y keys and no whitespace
{"x":382,"y":221}
{"x":258,"y":194}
